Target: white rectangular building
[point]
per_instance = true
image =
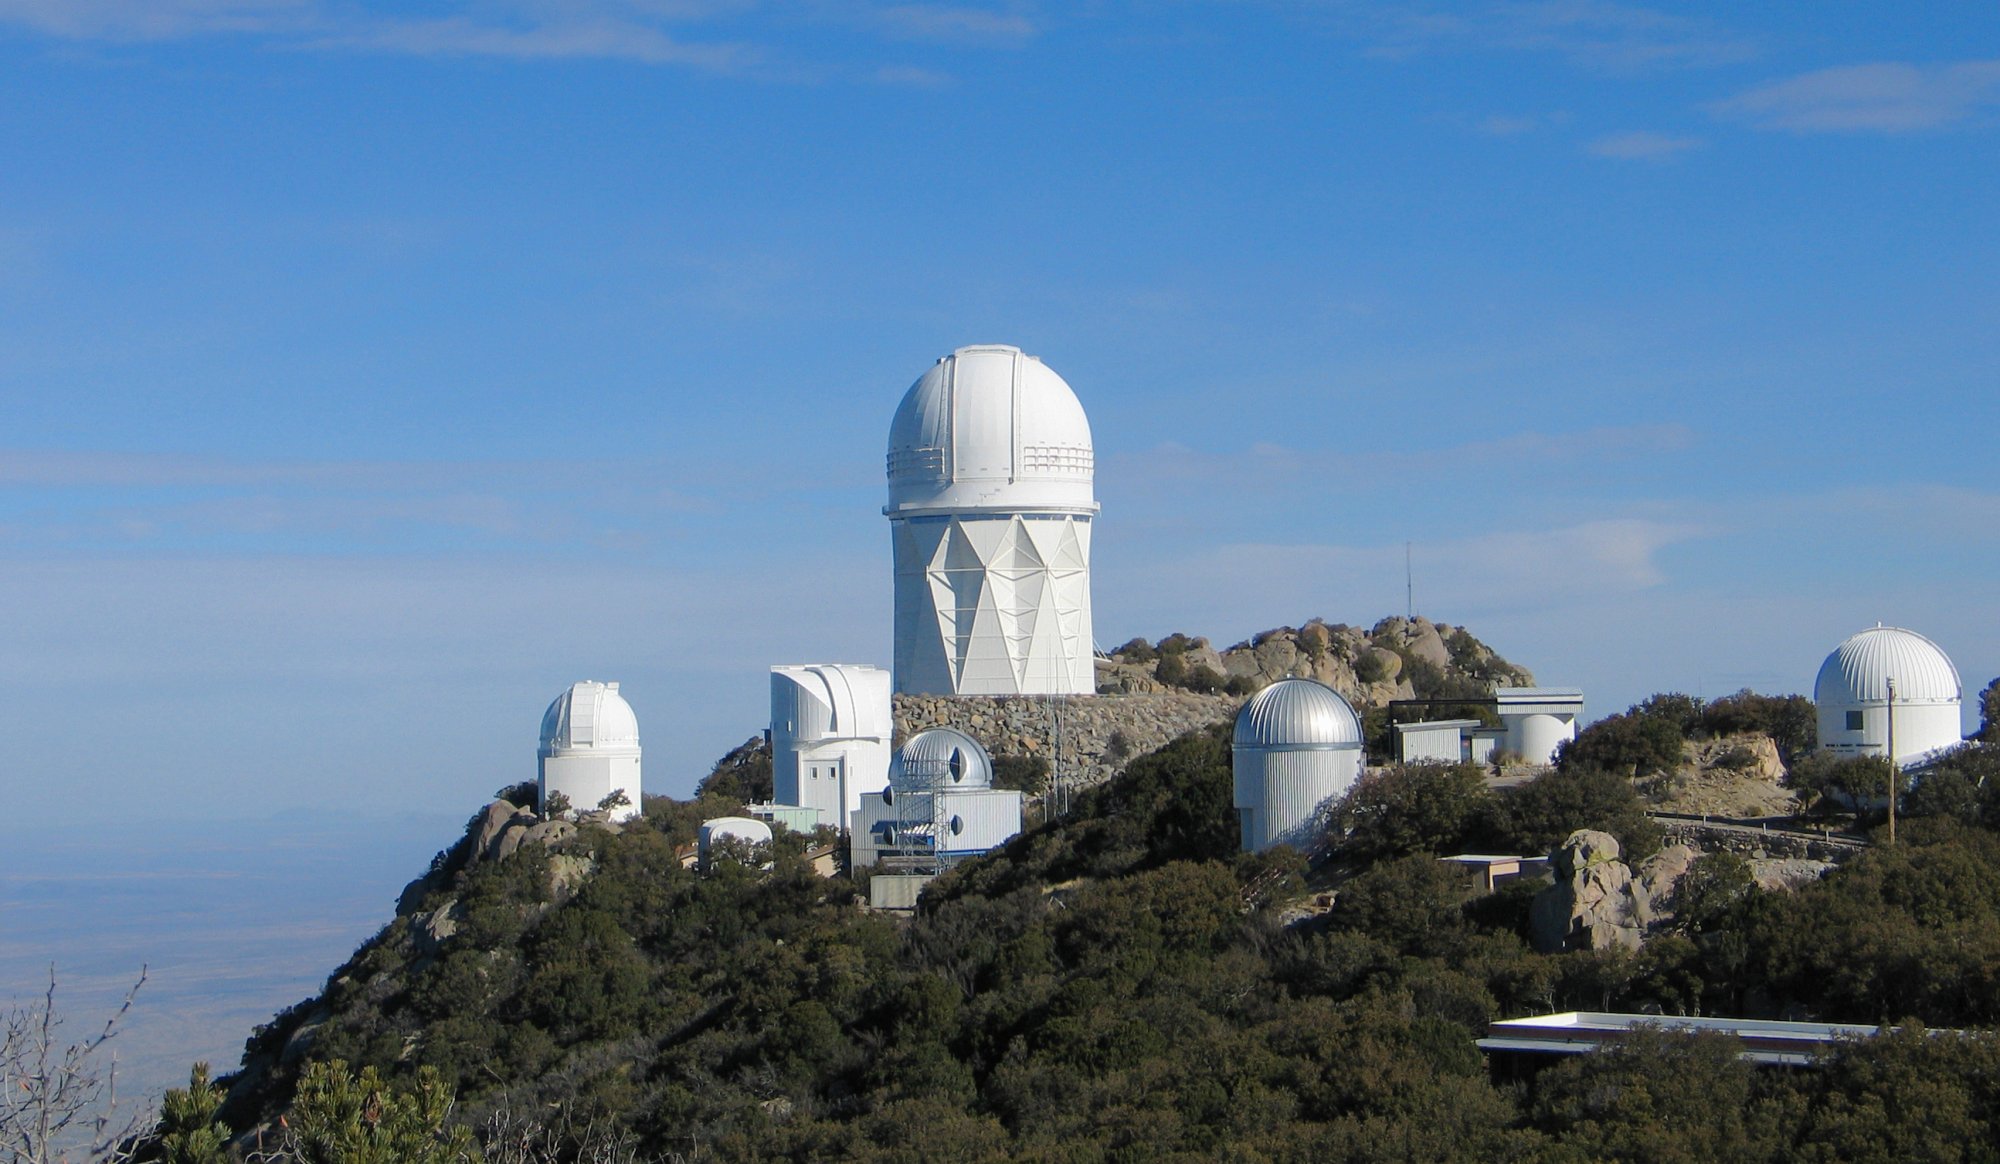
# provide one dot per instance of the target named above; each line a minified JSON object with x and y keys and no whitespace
{"x":964,"y":823}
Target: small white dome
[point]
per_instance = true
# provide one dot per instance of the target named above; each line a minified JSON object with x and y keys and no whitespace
{"x":990,"y":427}
{"x":590,"y":716}
{"x":741,"y":828}
{"x":1859,"y":670}
{"x":1297,"y":715}
{"x":944,"y":756}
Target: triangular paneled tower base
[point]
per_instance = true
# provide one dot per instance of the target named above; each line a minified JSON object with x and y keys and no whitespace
{"x":995,"y":605}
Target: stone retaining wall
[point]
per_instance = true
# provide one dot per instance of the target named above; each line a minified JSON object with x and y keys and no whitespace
{"x":1752,"y":842}
{"x":1020,"y":725}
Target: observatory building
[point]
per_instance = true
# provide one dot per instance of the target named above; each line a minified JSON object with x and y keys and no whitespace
{"x":1853,"y":695}
{"x":590,"y":749}
{"x":990,"y":507}
{"x":1297,"y":745}
{"x":940,"y":805}
{"x":830,"y":729}
{"x":1538,"y":719}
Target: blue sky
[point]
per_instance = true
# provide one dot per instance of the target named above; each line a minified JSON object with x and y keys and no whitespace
{"x":368,"y":373}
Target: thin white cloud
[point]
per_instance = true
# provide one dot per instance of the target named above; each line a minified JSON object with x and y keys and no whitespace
{"x":120,"y":20}
{"x":594,"y":39}
{"x":1642,"y":146}
{"x":939,"y":22}
{"x":1500,"y":125}
{"x":1884,"y":97}
{"x":155,"y":503}
{"x":653,"y":32}
{"x":1283,"y":465}
{"x":912,"y":77}
{"x":1237,"y":588}
{"x":1595,"y":34}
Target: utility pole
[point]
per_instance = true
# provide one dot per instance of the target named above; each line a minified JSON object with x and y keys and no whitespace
{"x":1894,"y":770}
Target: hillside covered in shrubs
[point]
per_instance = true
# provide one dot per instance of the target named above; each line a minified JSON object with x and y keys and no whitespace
{"x":1121,"y":984}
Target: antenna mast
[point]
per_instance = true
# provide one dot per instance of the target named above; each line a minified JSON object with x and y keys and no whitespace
{"x":1409,"y":588}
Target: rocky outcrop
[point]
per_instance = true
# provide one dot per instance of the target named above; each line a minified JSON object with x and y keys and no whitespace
{"x":1368,"y":667}
{"x":429,"y":930}
{"x":1145,"y":698}
{"x":1653,"y":882}
{"x":490,"y":834}
{"x":1785,"y":874}
{"x":1598,"y":902}
{"x":1736,"y":776}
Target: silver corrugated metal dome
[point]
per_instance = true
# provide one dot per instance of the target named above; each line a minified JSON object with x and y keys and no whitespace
{"x":1859,"y":670}
{"x":590,"y":716}
{"x":1296,"y":715}
{"x":949,"y":757}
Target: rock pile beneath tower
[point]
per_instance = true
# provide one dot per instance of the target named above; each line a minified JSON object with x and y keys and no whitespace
{"x":1396,"y":659}
{"x":1099,"y":733}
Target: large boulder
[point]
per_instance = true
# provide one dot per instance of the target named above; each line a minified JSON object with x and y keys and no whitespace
{"x":1593,"y":904}
{"x":1785,"y":874}
{"x":1654,"y":880}
{"x":501,"y":818}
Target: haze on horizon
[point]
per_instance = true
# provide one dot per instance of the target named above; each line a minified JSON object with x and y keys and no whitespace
{"x":369,"y":373}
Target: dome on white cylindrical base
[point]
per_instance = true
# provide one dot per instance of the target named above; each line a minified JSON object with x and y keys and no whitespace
{"x":990,"y":469}
{"x":589,"y":752}
{"x":1297,"y":745}
{"x":1852,"y":693}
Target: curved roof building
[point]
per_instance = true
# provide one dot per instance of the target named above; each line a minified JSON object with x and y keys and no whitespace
{"x":990,"y":468}
{"x":1853,"y":688}
{"x":1297,"y":745}
{"x":830,"y":729}
{"x":590,"y":749}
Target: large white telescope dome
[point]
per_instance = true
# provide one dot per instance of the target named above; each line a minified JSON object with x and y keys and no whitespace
{"x":990,"y":427}
{"x":1860,"y":669}
{"x":1852,"y":695}
{"x":590,"y":717}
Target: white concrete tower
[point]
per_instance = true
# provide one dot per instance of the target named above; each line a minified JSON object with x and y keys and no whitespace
{"x":1852,"y":694}
{"x":830,"y":729}
{"x":590,"y":749}
{"x":990,"y":506}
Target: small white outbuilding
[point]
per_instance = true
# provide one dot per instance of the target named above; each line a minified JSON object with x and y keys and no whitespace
{"x":731,"y":831}
{"x":1853,"y":690}
{"x":1297,"y":746}
{"x":590,"y":749}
